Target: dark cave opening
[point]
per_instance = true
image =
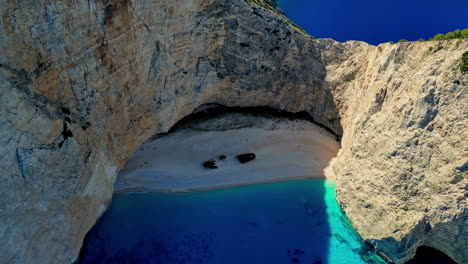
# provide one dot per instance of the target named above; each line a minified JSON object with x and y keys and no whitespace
{"x":207,"y":111}
{"x":429,"y":255}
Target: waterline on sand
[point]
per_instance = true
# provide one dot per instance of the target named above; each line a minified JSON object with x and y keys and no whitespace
{"x":284,"y":150}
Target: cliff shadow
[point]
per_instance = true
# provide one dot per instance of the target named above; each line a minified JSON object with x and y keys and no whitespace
{"x":267,"y":223}
{"x":429,"y":255}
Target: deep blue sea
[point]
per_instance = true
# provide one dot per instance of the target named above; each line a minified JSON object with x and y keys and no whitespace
{"x":377,"y":21}
{"x":286,"y":222}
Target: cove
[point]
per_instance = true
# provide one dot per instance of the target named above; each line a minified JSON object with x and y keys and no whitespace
{"x":376,"y":21}
{"x":295,"y":221}
{"x":279,"y":207}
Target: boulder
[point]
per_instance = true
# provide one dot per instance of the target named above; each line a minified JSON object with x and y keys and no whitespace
{"x":243,"y":158}
{"x":210,"y":164}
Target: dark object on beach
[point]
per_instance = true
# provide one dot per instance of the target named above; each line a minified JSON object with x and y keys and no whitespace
{"x":243,"y":158}
{"x":222,"y":157}
{"x":210,"y":164}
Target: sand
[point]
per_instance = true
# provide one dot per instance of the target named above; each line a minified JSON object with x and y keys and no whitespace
{"x":285,"y":149}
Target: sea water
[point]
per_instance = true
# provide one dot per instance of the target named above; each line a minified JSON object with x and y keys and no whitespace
{"x":377,"y":21}
{"x":286,"y":222}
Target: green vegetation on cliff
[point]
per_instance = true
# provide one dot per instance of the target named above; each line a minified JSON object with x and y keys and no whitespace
{"x":265,"y":4}
{"x":464,"y":62}
{"x":457,"y":34}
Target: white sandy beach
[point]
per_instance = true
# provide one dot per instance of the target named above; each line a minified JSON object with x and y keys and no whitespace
{"x":284,"y":150}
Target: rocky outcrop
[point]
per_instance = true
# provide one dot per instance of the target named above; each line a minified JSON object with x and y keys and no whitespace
{"x":84,"y":83}
{"x":401,"y":173}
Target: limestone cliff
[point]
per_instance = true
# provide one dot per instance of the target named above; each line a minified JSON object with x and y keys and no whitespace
{"x":401,"y":173}
{"x":84,"y":83}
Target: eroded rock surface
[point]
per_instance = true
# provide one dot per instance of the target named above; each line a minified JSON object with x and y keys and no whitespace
{"x":84,"y":83}
{"x":400,"y":173}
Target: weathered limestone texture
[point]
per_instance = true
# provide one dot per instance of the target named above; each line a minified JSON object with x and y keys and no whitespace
{"x":402,"y":170}
{"x":84,"y":83}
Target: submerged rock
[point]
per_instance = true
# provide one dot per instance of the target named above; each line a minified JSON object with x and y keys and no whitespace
{"x":243,"y":158}
{"x":210,"y":164}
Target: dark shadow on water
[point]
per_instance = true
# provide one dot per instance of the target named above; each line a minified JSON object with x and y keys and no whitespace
{"x":265,"y":223}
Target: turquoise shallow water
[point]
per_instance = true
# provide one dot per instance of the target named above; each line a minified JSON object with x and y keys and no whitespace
{"x":286,"y":222}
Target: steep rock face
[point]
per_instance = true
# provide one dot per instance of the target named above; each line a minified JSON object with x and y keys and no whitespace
{"x":401,"y":173}
{"x":84,"y":83}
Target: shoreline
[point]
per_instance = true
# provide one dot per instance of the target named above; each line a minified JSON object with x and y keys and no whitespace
{"x":285,"y":150}
{"x":217,"y":187}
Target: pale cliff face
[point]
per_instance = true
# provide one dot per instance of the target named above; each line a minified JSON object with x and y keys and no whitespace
{"x":401,"y":173}
{"x":83,"y":84}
